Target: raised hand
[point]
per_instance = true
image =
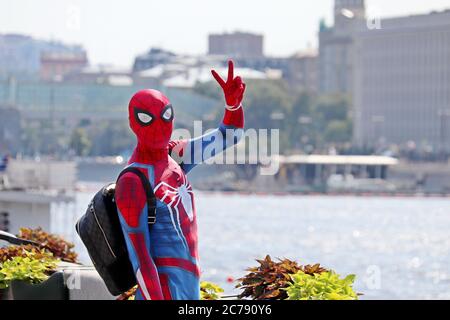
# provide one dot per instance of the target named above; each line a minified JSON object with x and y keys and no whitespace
{"x":233,"y":88}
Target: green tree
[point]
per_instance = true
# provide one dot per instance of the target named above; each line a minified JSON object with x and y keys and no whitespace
{"x":268,"y":105}
{"x":302,"y":105}
{"x":332,"y":121}
{"x":300,"y":121}
{"x":80,"y":142}
{"x":111,"y":138}
{"x":306,"y":121}
{"x":209,"y":89}
{"x":332,"y":107}
{"x":338,"y":131}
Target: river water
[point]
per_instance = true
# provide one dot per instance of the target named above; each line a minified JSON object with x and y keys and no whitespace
{"x":399,"y":248}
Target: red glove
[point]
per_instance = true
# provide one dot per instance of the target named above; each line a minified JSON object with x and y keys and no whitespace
{"x":233,"y":88}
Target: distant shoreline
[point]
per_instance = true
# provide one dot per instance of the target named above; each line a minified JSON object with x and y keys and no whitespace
{"x":88,"y":186}
{"x":333,"y":194}
{"x":102,"y":173}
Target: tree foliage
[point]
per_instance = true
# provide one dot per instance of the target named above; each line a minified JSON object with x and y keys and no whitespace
{"x":111,"y":138}
{"x":80,"y":142}
{"x":305,"y":120}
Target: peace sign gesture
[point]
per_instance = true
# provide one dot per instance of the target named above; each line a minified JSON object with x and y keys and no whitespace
{"x":233,"y":88}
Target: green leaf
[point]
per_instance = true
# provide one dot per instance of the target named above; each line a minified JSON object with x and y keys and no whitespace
{"x":33,"y":267}
{"x":323,"y":286}
{"x":210,"y":291}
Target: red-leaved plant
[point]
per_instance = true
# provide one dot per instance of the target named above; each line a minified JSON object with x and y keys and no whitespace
{"x":60,"y":248}
{"x":267,"y":281}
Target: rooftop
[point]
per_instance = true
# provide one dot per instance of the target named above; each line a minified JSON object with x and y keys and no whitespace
{"x":430,"y":20}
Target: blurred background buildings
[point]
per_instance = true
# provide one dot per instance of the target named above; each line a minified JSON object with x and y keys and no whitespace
{"x":336,"y":47}
{"x":397,"y":72}
{"x":237,"y":44}
{"x":372,"y":87}
{"x":402,"y":82}
{"x":21,"y":55}
{"x":363,"y":111}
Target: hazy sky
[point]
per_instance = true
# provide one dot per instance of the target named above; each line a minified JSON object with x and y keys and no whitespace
{"x":115,"y":31}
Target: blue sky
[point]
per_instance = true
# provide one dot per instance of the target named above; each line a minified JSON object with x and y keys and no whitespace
{"x":115,"y":31}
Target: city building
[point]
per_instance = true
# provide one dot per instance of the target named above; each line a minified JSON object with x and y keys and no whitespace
{"x":154,"y":57}
{"x":185,"y":76}
{"x":262,"y":63}
{"x":236,"y":45}
{"x":336,"y":47}
{"x":165,"y":68}
{"x":185,"y":71}
{"x":402,"y":82}
{"x":247,"y":52}
{"x":99,"y":74}
{"x":10,"y":130}
{"x":20,"y":55}
{"x":55,"y":65}
{"x":65,"y":104}
{"x":302,"y":71}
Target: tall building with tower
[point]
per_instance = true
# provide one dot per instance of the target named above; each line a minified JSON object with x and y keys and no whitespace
{"x":402,"y":82}
{"x":336,"y":47}
{"x":346,"y":10}
{"x":397,"y":72}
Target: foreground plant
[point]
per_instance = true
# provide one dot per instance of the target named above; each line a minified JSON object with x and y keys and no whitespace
{"x":10,"y":252}
{"x":128,"y":295}
{"x":323,"y":286}
{"x":210,"y":291}
{"x":30,"y":263}
{"x":60,"y":248}
{"x":269,"y":280}
{"x":30,"y":266}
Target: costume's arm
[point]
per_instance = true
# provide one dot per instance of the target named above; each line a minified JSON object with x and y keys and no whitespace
{"x":131,"y":203}
{"x":190,"y":153}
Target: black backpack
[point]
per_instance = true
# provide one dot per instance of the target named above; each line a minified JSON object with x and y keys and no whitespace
{"x":100,"y":230}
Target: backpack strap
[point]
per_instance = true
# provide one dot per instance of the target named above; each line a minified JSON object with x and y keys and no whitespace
{"x":151,"y":199}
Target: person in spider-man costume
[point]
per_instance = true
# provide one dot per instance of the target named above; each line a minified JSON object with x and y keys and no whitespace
{"x":165,"y":258}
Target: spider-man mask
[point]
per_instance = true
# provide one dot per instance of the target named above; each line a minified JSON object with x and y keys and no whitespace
{"x":151,"y":119}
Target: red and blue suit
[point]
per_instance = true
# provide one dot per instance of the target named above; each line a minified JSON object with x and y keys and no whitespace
{"x":165,"y":256}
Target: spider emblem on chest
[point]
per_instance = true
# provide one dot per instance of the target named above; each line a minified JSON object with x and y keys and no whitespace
{"x":178,"y":196}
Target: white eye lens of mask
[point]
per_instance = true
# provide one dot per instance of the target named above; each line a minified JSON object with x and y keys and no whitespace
{"x":167,"y":114}
{"x":144,"y":118}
